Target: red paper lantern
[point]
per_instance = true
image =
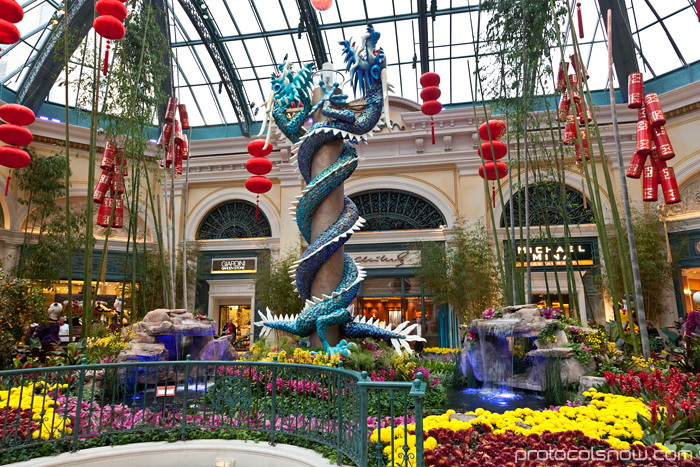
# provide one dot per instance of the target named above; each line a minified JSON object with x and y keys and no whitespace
{"x":636,"y":166}
{"x":570,"y":130}
{"x":494,"y":170}
{"x":497,"y":128}
{"x":109,"y":27}
{"x":429,"y":79}
{"x":431,"y":108}
{"x":256,"y":148}
{"x":643,"y":138}
{"x":104,"y":211}
{"x":561,"y":75}
{"x":322,"y":5}
{"x":17,"y":114}
{"x":118,"y":220}
{"x":98,"y":196}
{"x":258,"y":184}
{"x":564,"y":107}
{"x":653,"y":109}
{"x":669,"y":185}
{"x":170,"y":110}
{"x":111,"y":8}
{"x":635,"y":90}
{"x":182,"y":109}
{"x":184,"y":148}
{"x":9,"y":34}
{"x":14,"y":158}
{"x":662,"y":143}
{"x":259,"y":165}
{"x":650,"y":184}
{"x":431,"y":93}
{"x":11,"y":11}
{"x":178,"y":132}
{"x":15,"y":135}
{"x":493,"y":151}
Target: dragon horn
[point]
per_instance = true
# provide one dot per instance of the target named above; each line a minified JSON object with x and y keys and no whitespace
{"x":385,"y":93}
{"x":268,"y":108}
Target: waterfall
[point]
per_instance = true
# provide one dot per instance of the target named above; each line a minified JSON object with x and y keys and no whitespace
{"x":492,"y":359}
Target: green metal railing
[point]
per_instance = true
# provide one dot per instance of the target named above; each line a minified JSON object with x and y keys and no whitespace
{"x":332,"y":406}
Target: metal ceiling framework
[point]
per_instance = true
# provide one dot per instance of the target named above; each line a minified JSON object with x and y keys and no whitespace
{"x":230,"y":37}
{"x":310,"y":20}
{"x":224,"y":63}
{"x":44,"y":70}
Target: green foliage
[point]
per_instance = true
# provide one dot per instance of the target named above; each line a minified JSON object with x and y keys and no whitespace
{"x":548,"y":334}
{"x":21,"y":303}
{"x":41,"y":182}
{"x":554,"y":390}
{"x":463,"y":273}
{"x":581,"y":354}
{"x":273,"y":285}
{"x":72,"y":354}
{"x":655,"y":271}
{"x":360,"y":360}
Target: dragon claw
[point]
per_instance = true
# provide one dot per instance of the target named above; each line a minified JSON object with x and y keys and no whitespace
{"x":342,"y":348}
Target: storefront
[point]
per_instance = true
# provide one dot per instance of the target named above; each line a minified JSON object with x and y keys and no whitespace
{"x":685,"y":247}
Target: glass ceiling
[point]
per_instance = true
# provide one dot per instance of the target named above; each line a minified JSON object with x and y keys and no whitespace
{"x":259,"y":33}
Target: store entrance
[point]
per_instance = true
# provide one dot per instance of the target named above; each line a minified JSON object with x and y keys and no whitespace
{"x":691,"y":284}
{"x":239,"y":315}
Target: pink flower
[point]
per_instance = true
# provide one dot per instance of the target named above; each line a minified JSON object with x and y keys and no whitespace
{"x":488,"y":314}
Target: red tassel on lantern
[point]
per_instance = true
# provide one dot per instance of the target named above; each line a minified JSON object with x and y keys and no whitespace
{"x":7,"y":183}
{"x":106,"y":64}
{"x":580,"y":20}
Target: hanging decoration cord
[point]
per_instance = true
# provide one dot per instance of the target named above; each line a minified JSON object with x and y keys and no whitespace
{"x":7,"y":183}
{"x":106,"y":64}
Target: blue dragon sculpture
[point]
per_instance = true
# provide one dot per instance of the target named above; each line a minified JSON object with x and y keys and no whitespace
{"x":367,"y":67}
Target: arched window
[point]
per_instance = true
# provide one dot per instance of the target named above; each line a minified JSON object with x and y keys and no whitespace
{"x":546,"y":206}
{"x":396,"y":210}
{"x":233,"y":219}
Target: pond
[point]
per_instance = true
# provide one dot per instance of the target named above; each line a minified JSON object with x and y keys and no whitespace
{"x":469,"y":399}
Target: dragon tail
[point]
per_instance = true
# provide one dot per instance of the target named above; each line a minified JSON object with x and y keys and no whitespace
{"x":360,"y":326}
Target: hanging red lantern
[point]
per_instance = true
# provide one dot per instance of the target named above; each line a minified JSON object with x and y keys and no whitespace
{"x":108,"y":155}
{"x":167,"y":133}
{"x":118,"y":220}
{"x":493,"y":150}
{"x":570,"y":130}
{"x":669,"y":185}
{"x":495,"y":128}
{"x":322,"y":5}
{"x":662,"y":143}
{"x":178,"y":132}
{"x":494,"y":170}
{"x":184,"y":148}
{"x":636,"y":166}
{"x":182,"y":109}
{"x":650,"y":184}
{"x":104,"y":211}
{"x":11,"y":11}
{"x":15,"y":135}
{"x":178,"y":159}
{"x":564,"y":107}
{"x":256,"y":148}
{"x":109,"y":27}
{"x":635,"y":90}
{"x":653,"y":109}
{"x":14,"y":158}
{"x":561,"y":75}
{"x":17,"y":114}
{"x":643,"y":138}
{"x":431,"y":93}
{"x":9,"y":34}
{"x":655,"y":161}
{"x":259,"y":165}
{"x":430,"y":82}
{"x":103,"y":185}
{"x":258,"y":184}
{"x":582,"y":150}
{"x":170,"y":110}
{"x":111,"y":8}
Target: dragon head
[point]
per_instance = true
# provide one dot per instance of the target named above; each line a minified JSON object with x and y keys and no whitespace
{"x":365,"y":62}
{"x":289,"y":87}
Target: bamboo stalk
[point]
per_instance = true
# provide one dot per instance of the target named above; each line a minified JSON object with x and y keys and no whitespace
{"x":184,"y":228}
{"x":639,"y":299}
{"x":69,"y":233}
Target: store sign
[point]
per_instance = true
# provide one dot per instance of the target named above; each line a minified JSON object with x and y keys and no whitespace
{"x":233,"y":265}
{"x":387,"y":259}
{"x":555,"y":253}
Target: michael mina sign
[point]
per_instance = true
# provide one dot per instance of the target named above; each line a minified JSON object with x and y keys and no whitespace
{"x":554,"y":253}
{"x":233,"y":265}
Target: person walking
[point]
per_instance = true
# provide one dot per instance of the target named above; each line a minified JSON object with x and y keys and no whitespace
{"x":229,"y":329}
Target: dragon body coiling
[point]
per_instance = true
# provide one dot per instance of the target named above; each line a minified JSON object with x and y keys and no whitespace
{"x":290,"y":89}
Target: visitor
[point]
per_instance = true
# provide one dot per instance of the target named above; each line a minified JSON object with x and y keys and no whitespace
{"x":63,"y":330}
{"x":229,"y":328}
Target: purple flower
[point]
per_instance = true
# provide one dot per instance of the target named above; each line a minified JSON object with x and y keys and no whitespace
{"x":488,"y":314}
{"x":472,"y":336}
